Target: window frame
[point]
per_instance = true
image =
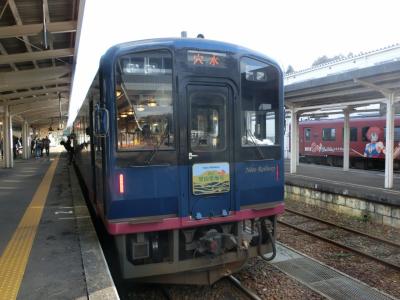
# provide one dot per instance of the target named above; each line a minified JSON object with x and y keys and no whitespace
{"x":277,"y":112}
{"x":330,"y":139}
{"x":173,"y":146}
{"x":309,"y":136}
{"x":226,"y":120}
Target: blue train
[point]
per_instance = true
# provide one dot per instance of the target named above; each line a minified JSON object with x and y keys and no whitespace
{"x":179,"y":143}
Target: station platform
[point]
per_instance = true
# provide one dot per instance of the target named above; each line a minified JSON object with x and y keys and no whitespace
{"x":362,"y":184}
{"x":48,"y":245}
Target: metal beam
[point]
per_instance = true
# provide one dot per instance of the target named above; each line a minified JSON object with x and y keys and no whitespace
{"x":339,"y":93}
{"x":8,"y":79}
{"x":333,"y":87}
{"x":3,"y":51}
{"x":18,"y":20}
{"x":35,"y":100}
{"x":385,"y":91}
{"x":34,"y":29}
{"x":34,"y":83}
{"x":341,"y":105}
{"x":34,"y":92}
{"x":23,"y":108}
{"x":34,"y":118}
{"x":37,"y":55}
{"x":44,"y":112}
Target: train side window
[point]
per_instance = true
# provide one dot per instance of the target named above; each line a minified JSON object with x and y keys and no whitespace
{"x":260,"y":103}
{"x":307,"y":134}
{"x":396,"y":134}
{"x":364,"y":131}
{"x":328,"y":134}
{"x":353,"y":134}
{"x":144,"y":101}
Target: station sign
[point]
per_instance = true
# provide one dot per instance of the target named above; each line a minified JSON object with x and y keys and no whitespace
{"x":206,"y":59}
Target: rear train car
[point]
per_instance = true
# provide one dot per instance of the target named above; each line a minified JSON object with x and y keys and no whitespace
{"x":180,"y":145}
{"x":321,"y":141}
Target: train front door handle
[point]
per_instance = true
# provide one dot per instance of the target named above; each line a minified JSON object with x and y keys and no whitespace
{"x":191,"y":155}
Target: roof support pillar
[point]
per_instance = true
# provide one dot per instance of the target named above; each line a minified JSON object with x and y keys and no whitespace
{"x":25,"y":140}
{"x":389,"y":141}
{"x":346,"y":139}
{"x":294,"y":141}
{"x":8,"y":141}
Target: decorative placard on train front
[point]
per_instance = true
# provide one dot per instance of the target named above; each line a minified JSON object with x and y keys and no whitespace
{"x":212,"y":178}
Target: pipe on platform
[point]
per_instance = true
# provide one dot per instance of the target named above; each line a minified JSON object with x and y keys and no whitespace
{"x":8,"y":141}
{"x":294,"y":141}
{"x":25,"y":140}
{"x":346,"y":139}
{"x":389,"y":141}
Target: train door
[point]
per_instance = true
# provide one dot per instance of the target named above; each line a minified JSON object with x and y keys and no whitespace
{"x":305,"y":141}
{"x":209,"y":150}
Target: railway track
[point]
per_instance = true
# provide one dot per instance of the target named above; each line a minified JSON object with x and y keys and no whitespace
{"x":382,"y":250}
{"x":249,"y":293}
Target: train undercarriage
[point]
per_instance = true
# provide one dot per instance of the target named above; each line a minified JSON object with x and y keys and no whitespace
{"x":355,"y":162}
{"x":199,"y":255}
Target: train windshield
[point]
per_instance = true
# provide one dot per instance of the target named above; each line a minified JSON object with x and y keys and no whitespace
{"x":144,"y":101}
{"x":260,"y":103}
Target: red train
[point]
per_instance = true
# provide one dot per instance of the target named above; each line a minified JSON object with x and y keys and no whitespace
{"x":321,"y":141}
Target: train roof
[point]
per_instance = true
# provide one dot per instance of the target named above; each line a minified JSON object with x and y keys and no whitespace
{"x":183,"y":43}
{"x":340,"y":120}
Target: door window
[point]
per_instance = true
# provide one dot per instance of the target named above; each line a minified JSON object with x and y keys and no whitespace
{"x":207,"y":121}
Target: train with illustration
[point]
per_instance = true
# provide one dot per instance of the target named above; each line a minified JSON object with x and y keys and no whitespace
{"x":321,"y":141}
{"x":179,"y":144}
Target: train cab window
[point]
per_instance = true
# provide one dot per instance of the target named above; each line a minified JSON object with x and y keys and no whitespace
{"x":307,"y":134}
{"x":144,"y":101}
{"x":260,"y":103}
{"x":208,"y":119}
{"x":328,"y":134}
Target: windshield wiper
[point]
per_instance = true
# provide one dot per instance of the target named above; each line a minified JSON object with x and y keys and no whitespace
{"x":157,"y":147}
{"x":253,"y":140}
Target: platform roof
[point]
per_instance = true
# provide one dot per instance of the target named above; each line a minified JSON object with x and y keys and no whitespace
{"x":354,"y":87}
{"x":34,"y":79}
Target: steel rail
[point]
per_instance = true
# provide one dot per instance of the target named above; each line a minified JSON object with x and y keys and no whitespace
{"x":384,"y":262}
{"x":344,"y":228}
{"x":243,"y":289}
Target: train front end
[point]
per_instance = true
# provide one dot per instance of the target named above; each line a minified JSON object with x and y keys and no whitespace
{"x":193,"y":160}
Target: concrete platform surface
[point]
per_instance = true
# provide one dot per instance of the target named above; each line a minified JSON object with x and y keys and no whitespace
{"x":40,"y":241}
{"x":363,"y":184}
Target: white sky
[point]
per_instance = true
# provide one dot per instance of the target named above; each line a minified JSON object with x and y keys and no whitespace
{"x":292,"y":32}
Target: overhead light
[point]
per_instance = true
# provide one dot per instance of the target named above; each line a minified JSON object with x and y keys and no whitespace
{"x":140,"y":108}
{"x":151,"y":102}
{"x":130,"y":113}
{"x":124,"y":115}
{"x":118,"y":93}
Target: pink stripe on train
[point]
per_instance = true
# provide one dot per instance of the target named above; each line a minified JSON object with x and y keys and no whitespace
{"x":175,"y":223}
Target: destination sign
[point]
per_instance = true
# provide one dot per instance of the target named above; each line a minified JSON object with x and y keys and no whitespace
{"x":206,"y":59}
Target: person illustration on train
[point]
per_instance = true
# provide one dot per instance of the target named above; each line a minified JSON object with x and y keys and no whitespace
{"x":375,"y":148}
{"x":396,"y":152}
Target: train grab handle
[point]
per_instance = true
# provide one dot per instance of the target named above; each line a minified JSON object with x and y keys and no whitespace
{"x":101,"y":121}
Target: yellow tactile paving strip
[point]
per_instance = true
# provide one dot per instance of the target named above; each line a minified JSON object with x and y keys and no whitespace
{"x":15,"y":257}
